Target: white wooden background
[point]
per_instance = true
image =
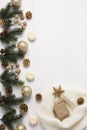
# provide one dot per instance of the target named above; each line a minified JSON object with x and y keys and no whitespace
{"x":59,"y":55}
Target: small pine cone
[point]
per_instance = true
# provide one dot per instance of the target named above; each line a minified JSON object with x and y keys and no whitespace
{"x":26,"y":62}
{"x":23,"y":108}
{"x":2,"y":127}
{"x":3,"y":51}
{"x":28,"y":15}
{"x":1,"y":22}
{"x":38,"y":97}
{"x":4,"y":65}
{"x":2,"y":34}
{"x":80,"y":101}
{"x":8,"y":90}
{"x":4,"y":22}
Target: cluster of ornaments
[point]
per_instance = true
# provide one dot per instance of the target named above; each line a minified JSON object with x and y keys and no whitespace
{"x":60,"y":109}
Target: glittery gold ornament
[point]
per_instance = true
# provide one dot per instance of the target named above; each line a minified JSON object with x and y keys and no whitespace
{"x":16,"y":3}
{"x":26,"y":91}
{"x":22,"y":46}
{"x":20,"y":127}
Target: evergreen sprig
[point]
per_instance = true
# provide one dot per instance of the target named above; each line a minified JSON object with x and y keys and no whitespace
{"x":11,"y":100}
{"x":9,"y":117}
{"x":8,"y":79}
{"x":9,"y":36}
{"x":11,"y":55}
{"x":9,"y":12}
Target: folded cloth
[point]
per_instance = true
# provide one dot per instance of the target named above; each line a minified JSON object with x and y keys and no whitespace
{"x":78,"y":113}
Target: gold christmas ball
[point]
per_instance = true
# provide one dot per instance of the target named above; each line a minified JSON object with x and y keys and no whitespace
{"x":20,"y":127}
{"x":16,"y":3}
{"x":22,"y":46}
{"x":26,"y":91}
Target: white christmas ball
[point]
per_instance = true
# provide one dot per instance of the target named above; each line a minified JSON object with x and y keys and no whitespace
{"x":30,"y":76}
{"x":26,"y":91}
{"x":33,"y":120}
{"x":20,"y":127}
{"x":16,"y":3}
{"x":31,"y":36}
{"x":22,"y":46}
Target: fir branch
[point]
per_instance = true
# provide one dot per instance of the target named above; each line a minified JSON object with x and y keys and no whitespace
{"x":13,"y":13}
{"x":9,"y":126}
{"x":9,"y":12}
{"x":10,"y":117}
{"x":8,"y":79}
{"x":16,"y":31}
{"x":8,"y":24}
{"x":4,"y":11}
{"x":11,"y":55}
{"x":11,"y":35}
{"x":11,"y":100}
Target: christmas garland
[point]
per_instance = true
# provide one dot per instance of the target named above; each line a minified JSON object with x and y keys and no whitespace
{"x":9,"y":55}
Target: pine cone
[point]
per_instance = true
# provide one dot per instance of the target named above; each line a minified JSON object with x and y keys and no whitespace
{"x":38,"y":97}
{"x":2,"y":34}
{"x":26,"y":62}
{"x":2,"y":127}
{"x":23,"y":108}
{"x":28,"y":15}
{"x":3,"y":22}
{"x":80,"y":101}
{"x":2,"y":51}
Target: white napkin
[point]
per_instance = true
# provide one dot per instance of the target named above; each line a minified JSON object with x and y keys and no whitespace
{"x":78,"y":116}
